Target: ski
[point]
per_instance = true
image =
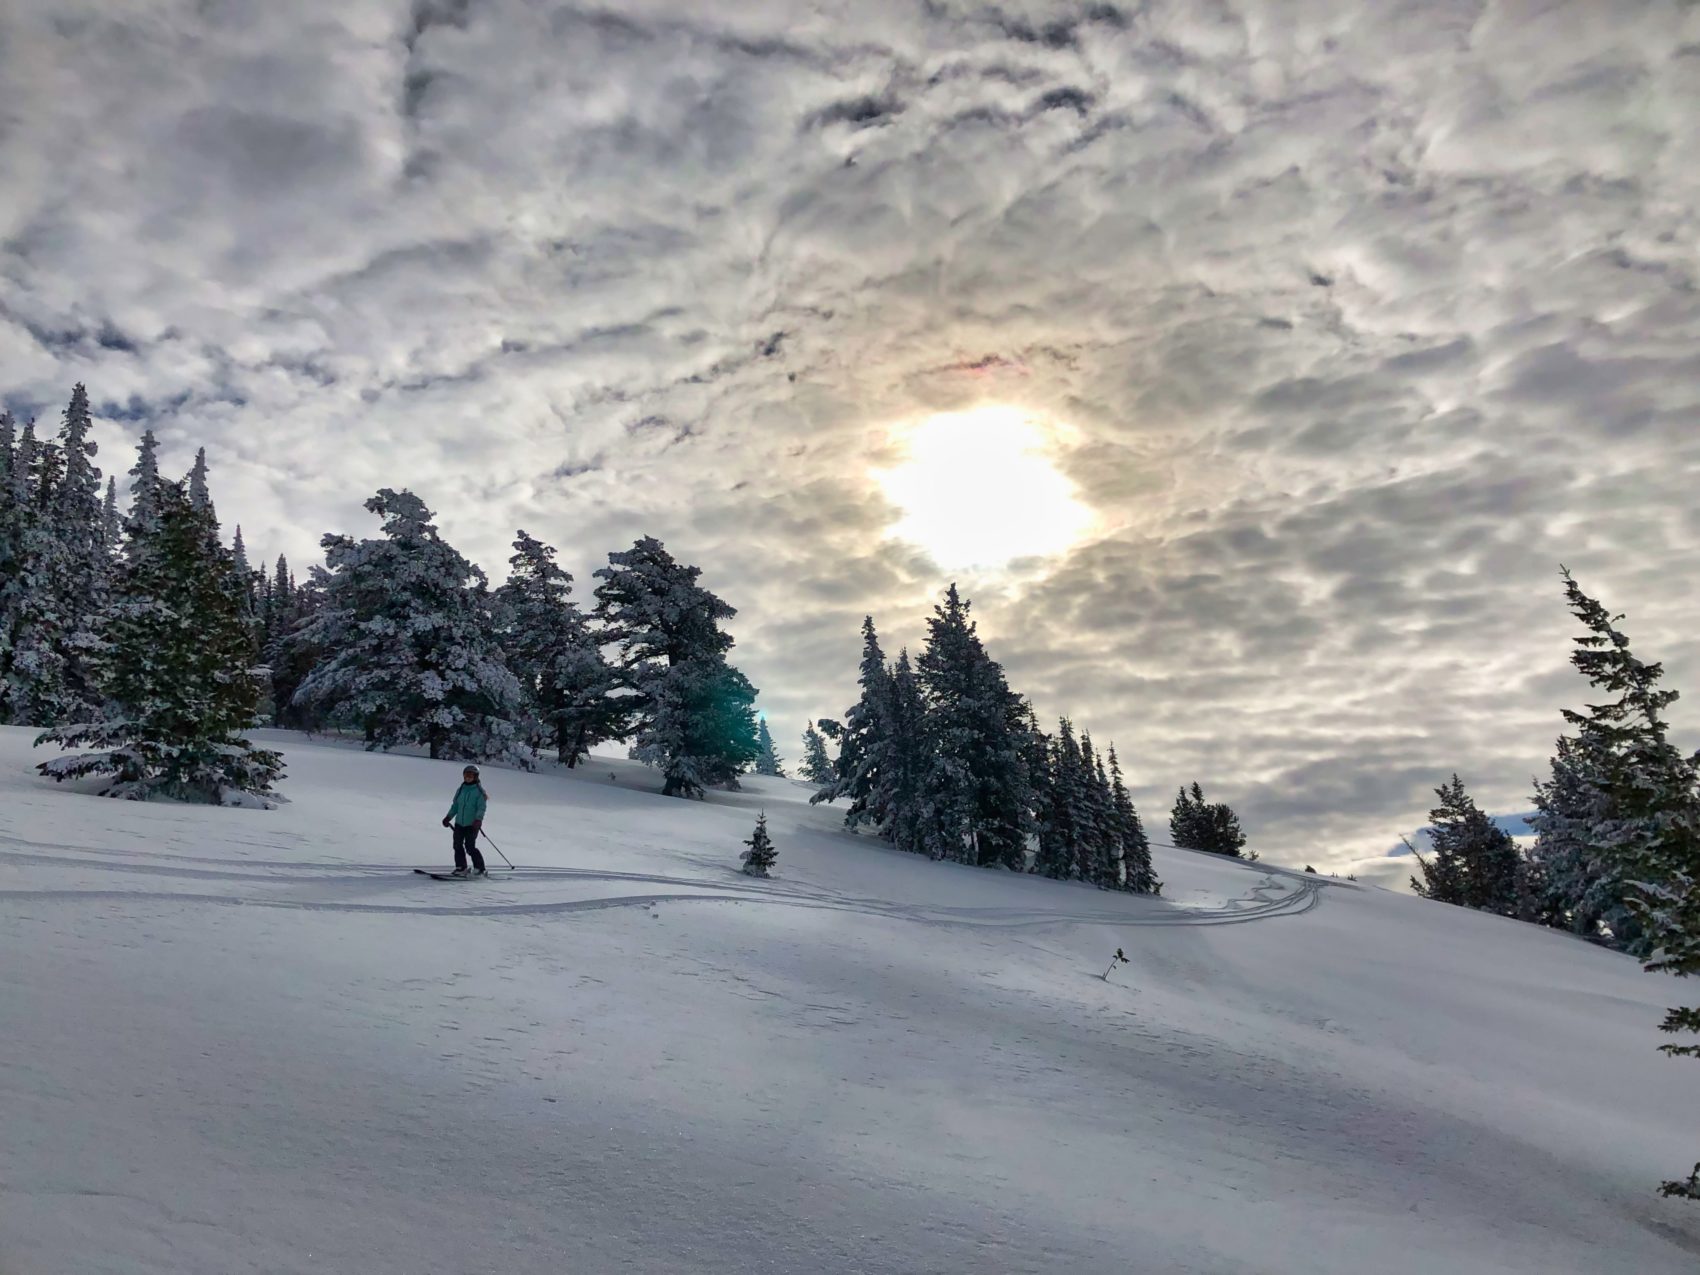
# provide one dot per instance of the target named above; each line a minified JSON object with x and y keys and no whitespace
{"x":442,"y":876}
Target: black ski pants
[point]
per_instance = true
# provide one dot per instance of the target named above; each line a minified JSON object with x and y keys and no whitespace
{"x":466,"y":843}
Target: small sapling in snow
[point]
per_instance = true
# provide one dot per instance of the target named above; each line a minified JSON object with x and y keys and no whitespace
{"x":1120,"y":958}
{"x":761,"y":855}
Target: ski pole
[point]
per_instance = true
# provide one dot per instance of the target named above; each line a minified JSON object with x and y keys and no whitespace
{"x":497,"y":849}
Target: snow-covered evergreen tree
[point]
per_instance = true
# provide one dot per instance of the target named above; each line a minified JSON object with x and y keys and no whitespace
{"x":176,"y":676}
{"x":1646,"y":793}
{"x":768,"y":760}
{"x":243,"y":573}
{"x":694,"y":713}
{"x":1036,"y":761}
{"x":897,"y":797}
{"x":49,"y":608}
{"x":817,"y":766}
{"x":761,"y":855}
{"x":14,"y":512}
{"x":864,"y":739}
{"x":1059,"y":835}
{"x":1099,"y":851}
{"x":79,"y":561}
{"x":199,"y":496}
{"x":1197,"y":824}
{"x":556,"y":656}
{"x":18,"y":513}
{"x":1136,"y":871}
{"x":289,"y":650}
{"x":976,"y":804}
{"x":1577,"y":885}
{"x":1185,"y":820}
{"x":408,"y":650}
{"x":1474,"y":862}
{"x":144,"y":487}
{"x":111,"y":522}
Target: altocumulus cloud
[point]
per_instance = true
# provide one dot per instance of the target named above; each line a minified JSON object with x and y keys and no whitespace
{"x":1363,"y":318}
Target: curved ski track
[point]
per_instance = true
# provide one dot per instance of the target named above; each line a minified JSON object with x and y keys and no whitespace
{"x":1264,"y":901}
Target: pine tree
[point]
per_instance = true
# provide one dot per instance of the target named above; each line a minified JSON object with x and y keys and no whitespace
{"x":817,"y":766}
{"x":1577,"y":886}
{"x":81,"y":561}
{"x":1100,"y":850}
{"x":111,"y":523}
{"x":768,"y":761}
{"x":18,"y":515}
{"x":289,"y":648}
{"x":1059,"y":831}
{"x":63,"y":569}
{"x":694,"y":713}
{"x":244,"y":574}
{"x":407,"y":649}
{"x":1475,"y":863}
{"x":144,"y":488}
{"x":1645,"y":797}
{"x":1185,"y":832}
{"x":12,"y":516}
{"x":1136,"y":871}
{"x":1197,"y":824}
{"x":176,"y":675}
{"x":898,"y":796}
{"x":761,"y":856}
{"x":558,"y":660}
{"x":1036,"y":761}
{"x":977,"y":803}
{"x":199,"y":496}
{"x":864,"y":740}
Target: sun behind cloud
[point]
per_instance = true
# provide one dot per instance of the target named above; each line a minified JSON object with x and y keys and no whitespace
{"x":980,"y":488}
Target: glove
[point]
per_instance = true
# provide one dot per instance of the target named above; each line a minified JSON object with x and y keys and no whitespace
{"x":477,"y":827}
{"x":447,"y":820}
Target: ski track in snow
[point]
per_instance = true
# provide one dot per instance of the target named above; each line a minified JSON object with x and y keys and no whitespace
{"x":1264,"y":901}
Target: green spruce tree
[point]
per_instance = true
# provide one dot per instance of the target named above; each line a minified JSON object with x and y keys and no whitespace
{"x":1646,"y":795}
{"x":1475,"y":863}
{"x":761,"y":856}
{"x":176,"y":674}
{"x":768,"y":761}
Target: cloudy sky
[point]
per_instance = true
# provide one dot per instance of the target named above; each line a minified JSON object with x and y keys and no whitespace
{"x":1339,"y":332}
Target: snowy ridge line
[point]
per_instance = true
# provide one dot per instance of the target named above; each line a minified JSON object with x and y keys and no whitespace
{"x":1237,"y":912}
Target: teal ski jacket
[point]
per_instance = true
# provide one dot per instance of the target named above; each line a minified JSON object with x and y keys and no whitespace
{"x":468,"y":806}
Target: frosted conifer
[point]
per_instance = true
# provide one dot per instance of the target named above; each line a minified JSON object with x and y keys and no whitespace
{"x":817,"y":766}
{"x":408,"y":653}
{"x":761,"y":856}
{"x":976,"y":804}
{"x":1474,"y":863}
{"x":768,"y":761}
{"x":144,"y":487}
{"x":864,"y":740}
{"x":1647,"y":795}
{"x":176,"y":677}
{"x":1136,"y":871}
{"x":556,"y":657}
{"x":694,"y":713}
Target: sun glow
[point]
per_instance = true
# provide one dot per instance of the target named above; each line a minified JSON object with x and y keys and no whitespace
{"x":981,"y":489}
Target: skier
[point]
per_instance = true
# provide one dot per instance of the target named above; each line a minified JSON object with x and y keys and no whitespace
{"x":466,"y":817}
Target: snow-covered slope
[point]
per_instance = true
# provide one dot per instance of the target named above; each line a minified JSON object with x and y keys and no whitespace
{"x":237,"y":1041}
